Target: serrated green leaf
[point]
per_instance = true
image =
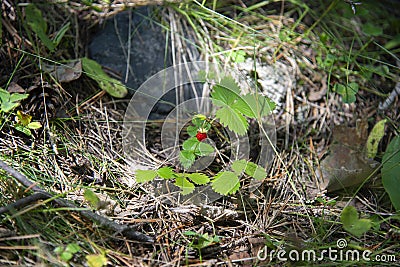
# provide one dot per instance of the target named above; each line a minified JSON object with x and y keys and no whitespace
{"x":254,"y":105}
{"x":255,"y":171}
{"x":230,"y":83}
{"x":34,"y":125}
{"x":143,"y":176}
{"x":166,"y":172}
{"x":112,"y":86}
{"x":374,"y":138}
{"x":186,"y":186}
{"x":391,"y":171}
{"x":239,"y":166}
{"x":98,"y":260}
{"x":225,"y":182}
{"x":351,"y":222}
{"x":190,"y":144}
{"x":186,"y":158}
{"x":192,"y":131}
{"x":91,"y":198}
{"x":203,"y":149}
{"x":35,"y":20}
{"x":199,"y":178}
{"x":225,"y":92}
{"x":232,"y":119}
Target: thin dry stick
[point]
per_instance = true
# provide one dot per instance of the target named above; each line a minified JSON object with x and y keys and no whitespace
{"x":42,"y":194}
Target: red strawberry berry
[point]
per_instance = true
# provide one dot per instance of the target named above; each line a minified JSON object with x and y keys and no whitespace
{"x":201,"y":136}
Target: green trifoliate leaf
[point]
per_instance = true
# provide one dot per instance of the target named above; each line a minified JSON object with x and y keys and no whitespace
{"x":225,"y":183}
{"x":197,"y":122}
{"x":143,"y":176}
{"x":199,"y":178}
{"x":8,"y":106}
{"x":186,"y":186}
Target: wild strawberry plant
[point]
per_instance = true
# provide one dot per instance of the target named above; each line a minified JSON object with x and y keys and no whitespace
{"x":233,"y":111}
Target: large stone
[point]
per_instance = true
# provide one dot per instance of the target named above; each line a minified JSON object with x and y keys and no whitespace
{"x":148,"y":55}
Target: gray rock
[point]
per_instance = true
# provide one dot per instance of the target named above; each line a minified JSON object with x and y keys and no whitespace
{"x":149,"y":51}
{"x":110,"y":46}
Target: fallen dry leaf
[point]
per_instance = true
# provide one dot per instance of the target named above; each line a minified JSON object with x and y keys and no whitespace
{"x":64,"y":72}
{"x":15,"y":88}
{"x":347,"y":164}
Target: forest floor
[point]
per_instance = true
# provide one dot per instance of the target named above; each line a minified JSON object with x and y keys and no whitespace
{"x":64,"y":135}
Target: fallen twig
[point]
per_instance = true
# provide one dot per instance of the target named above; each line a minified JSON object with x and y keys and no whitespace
{"x":125,"y":230}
